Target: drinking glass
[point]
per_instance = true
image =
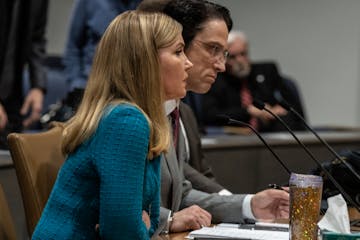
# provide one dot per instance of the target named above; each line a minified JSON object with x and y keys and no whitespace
{"x":305,"y":199}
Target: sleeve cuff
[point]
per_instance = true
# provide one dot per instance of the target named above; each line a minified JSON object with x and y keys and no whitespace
{"x":168,"y":222}
{"x":246,"y":206}
{"x":225,"y":192}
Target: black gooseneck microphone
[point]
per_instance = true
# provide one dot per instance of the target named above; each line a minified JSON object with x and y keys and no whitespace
{"x":261,"y":106}
{"x":288,"y":107}
{"x":228,"y":120}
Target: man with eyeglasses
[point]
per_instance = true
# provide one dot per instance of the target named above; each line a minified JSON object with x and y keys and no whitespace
{"x":190,"y":196}
{"x":243,"y":81}
{"x":193,"y":97}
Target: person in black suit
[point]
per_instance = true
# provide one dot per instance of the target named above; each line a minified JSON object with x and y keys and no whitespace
{"x":233,"y":92}
{"x":22,"y":42}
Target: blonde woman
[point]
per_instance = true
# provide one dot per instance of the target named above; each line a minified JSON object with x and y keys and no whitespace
{"x":114,"y":141}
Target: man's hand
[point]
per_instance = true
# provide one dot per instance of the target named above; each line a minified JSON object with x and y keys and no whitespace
{"x":278,"y":110}
{"x":3,"y":117}
{"x":263,"y":115}
{"x":190,"y":218}
{"x":270,"y":204}
{"x":33,"y":101}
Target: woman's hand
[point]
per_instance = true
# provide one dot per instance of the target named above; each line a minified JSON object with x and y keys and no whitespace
{"x":146,"y":219}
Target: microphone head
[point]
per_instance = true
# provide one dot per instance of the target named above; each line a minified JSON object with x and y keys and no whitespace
{"x":258,"y":104}
{"x":222,"y":119}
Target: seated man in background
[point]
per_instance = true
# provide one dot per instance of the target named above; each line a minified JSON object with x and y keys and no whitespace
{"x":232,"y":94}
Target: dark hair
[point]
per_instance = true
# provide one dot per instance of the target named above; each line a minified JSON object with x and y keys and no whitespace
{"x":192,"y":14}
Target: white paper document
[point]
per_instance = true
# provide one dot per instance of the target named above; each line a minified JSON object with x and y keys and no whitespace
{"x":237,"y":233}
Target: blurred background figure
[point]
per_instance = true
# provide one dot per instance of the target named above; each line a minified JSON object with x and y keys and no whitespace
{"x":234,"y":91}
{"x":89,"y":20}
{"x":22,"y":44}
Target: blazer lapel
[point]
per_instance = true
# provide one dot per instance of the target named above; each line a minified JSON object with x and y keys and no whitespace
{"x":172,"y":179}
{"x":181,"y":150}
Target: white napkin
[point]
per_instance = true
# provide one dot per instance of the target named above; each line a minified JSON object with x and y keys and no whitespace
{"x":336,"y":218}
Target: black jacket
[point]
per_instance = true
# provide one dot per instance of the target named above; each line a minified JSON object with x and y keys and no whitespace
{"x":22,"y":42}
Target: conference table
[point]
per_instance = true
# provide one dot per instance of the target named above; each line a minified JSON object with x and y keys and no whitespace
{"x":353,"y":214}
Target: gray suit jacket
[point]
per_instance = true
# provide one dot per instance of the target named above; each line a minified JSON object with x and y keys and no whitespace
{"x":177,"y":192}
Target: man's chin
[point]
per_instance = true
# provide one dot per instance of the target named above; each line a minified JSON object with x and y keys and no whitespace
{"x":204,"y":88}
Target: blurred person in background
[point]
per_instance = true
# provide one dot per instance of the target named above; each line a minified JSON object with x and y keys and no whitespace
{"x":22,"y":47}
{"x":89,"y":20}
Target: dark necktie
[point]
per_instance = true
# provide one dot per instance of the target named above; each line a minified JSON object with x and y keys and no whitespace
{"x":175,"y":123}
{"x":246,"y":100}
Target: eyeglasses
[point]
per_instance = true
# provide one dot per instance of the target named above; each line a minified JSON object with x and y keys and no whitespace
{"x":215,"y":50}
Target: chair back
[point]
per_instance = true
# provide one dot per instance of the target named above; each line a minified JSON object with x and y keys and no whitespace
{"x":7,"y":229}
{"x":37,"y":158}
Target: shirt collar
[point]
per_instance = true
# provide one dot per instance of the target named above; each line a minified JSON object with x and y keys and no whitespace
{"x":170,"y":105}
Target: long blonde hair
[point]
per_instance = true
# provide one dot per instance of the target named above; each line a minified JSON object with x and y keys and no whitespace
{"x":126,"y":68}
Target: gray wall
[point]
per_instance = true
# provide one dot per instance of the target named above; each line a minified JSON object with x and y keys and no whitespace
{"x":316,"y":42}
